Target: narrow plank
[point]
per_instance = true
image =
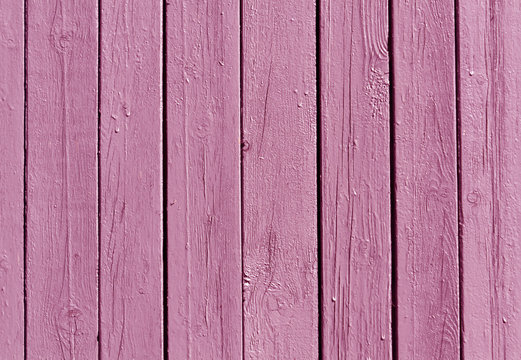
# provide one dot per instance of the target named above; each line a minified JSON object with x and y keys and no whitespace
{"x":490,"y":44}
{"x":62,"y":242}
{"x":280,"y":180}
{"x":131,"y":234}
{"x":426,"y":180}
{"x":356,"y":231}
{"x":204,"y":228}
{"x":12,"y":178}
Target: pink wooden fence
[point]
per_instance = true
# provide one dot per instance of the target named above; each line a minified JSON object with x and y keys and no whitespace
{"x":245,"y":179}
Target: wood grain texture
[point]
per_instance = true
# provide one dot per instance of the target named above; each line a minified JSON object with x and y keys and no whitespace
{"x":203,"y":144}
{"x":131,"y":180}
{"x":490,"y":44}
{"x":356,"y":232}
{"x":279,"y":180}
{"x":62,"y":243}
{"x":426,"y":180}
{"x":12,"y":179}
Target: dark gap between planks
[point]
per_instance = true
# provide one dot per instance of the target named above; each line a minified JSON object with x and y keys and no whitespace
{"x":98,"y":159}
{"x":458,"y":172}
{"x":392,"y":187}
{"x":165,"y":184}
{"x":241,"y":166}
{"x":25,"y":181}
{"x":319,"y":182}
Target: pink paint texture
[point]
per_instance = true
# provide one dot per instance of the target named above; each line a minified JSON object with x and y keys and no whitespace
{"x":243,"y":179}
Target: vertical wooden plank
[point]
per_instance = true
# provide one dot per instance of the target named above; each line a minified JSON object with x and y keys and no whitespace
{"x":426,"y":180}
{"x":62,"y":242}
{"x":204,"y":229}
{"x":12,"y":178}
{"x":280,"y":180}
{"x":131,"y":177}
{"x":489,"y":75}
{"x":356,"y":232}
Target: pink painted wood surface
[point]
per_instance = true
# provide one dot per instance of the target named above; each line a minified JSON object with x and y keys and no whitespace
{"x":356,"y":232}
{"x":426,"y":183}
{"x":204,"y":221}
{"x":279,"y":180}
{"x":131,"y":269}
{"x":246,"y":285}
{"x":62,"y":242}
{"x":489,"y":75}
{"x":12,"y":179}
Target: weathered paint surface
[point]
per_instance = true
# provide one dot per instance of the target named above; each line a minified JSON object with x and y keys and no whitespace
{"x":356,"y":234}
{"x":131,"y":269}
{"x":489,"y":75}
{"x":62,"y":241}
{"x":279,"y":180}
{"x":204,"y":221}
{"x":12,"y":178}
{"x":119,"y":149}
{"x":426,"y":180}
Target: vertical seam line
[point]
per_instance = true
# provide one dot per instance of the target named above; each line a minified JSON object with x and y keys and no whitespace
{"x":98,"y":158}
{"x":319,"y":180}
{"x":25,"y":178}
{"x":392,"y":188}
{"x":458,"y":171}
{"x":165,"y":178}
{"x":241,"y":165}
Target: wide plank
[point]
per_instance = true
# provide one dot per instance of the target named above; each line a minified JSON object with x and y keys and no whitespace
{"x":423,"y":47}
{"x":490,"y":94}
{"x":62,"y":237}
{"x":203,"y":180}
{"x":279,"y":179}
{"x":131,"y":226}
{"x":12,"y":178}
{"x":356,"y":231}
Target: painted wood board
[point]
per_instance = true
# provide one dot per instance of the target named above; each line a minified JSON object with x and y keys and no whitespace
{"x":131,"y":268}
{"x":356,"y":231}
{"x":203,"y":186}
{"x":62,"y":241}
{"x":12,"y":178}
{"x":489,"y":48}
{"x":279,"y":180}
{"x":426,"y":180}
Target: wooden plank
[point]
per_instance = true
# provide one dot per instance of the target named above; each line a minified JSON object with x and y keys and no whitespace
{"x":62,"y":242}
{"x":204,"y":228}
{"x":426,"y":180}
{"x":280,"y":180}
{"x":131,"y":180}
{"x":12,"y":178}
{"x":356,"y":231}
{"x":489,"y":73}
